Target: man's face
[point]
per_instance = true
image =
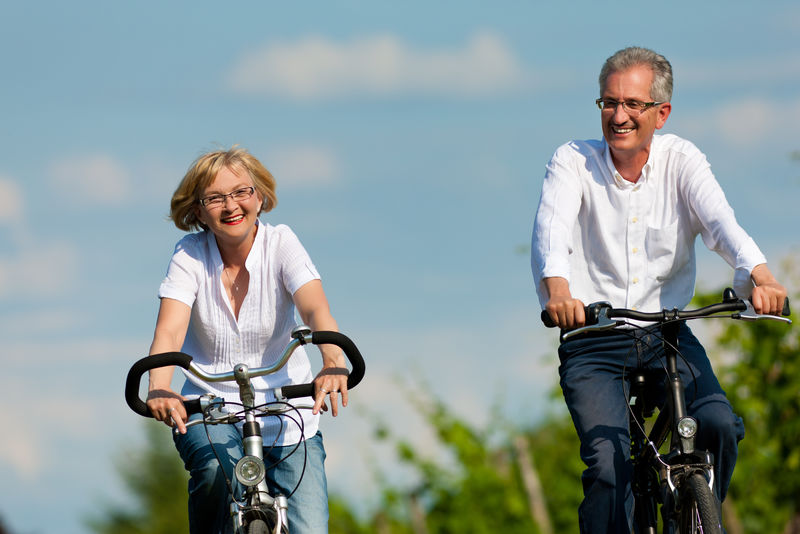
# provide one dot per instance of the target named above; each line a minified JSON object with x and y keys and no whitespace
{"x":629,"y":135}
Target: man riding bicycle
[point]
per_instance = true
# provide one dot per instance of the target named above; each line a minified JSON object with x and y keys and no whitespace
{"x":617,"y":220}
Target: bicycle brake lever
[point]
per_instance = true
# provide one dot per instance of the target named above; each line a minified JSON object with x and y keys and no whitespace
{"x":603,"y":323}
{"x":750,"y":314}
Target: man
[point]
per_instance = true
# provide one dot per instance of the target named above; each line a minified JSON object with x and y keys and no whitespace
{"x":616,"y":222}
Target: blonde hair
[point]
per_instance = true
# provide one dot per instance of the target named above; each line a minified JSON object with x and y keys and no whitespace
{"x":201,"y":173}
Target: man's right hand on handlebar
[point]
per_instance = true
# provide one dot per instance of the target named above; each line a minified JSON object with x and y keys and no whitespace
{"x":565,"y":311}
{"x":167,"y":406}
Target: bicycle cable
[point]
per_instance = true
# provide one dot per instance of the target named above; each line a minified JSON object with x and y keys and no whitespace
{"x":262,"y":407}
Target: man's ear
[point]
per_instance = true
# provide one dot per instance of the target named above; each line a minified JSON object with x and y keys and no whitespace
{"x":663,"y":112}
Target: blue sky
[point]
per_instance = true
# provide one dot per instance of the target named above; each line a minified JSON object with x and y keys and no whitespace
{"x":408,"y":141}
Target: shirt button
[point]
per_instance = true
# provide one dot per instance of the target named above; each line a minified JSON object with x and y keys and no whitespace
{"x":635,"y":250}
{"x":635,"y":280}
{"x":635,"y":220}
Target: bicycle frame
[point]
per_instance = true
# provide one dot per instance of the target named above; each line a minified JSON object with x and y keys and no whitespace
{"x":655,"y":473}
{"x":678,"y":479}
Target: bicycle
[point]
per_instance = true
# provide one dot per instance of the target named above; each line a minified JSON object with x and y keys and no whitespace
{"x":258,"y":511}
{"x":680,"y":480}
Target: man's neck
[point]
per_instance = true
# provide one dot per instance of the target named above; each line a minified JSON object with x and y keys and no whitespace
{"x":630,"y":166}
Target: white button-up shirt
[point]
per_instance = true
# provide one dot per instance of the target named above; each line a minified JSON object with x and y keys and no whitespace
{"x":278,"y":266}
{"x":632,"y":244}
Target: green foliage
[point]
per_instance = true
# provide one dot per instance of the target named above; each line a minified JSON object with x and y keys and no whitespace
{"x":156,"y":480}
{"x":483,"y":491}
{"x":342,"y":519}
{"x":762,"y":387}
{"x":556,"y":451}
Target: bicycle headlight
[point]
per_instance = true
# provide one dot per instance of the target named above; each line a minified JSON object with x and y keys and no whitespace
{"x":250,"y":470}
{"x":687,"y":427}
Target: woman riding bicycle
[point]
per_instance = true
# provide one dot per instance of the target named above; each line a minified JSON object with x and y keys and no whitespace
{"x":617,"y":222}
{"x":229,"y":297}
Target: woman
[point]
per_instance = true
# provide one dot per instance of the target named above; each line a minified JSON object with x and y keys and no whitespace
{"x":229,"y":297}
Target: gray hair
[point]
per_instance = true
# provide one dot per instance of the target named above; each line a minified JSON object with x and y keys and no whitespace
{"x":660,"y":89}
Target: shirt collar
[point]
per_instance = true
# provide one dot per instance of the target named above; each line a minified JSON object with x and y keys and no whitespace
{"x":216,"y":257}
{"x":617,"y":178}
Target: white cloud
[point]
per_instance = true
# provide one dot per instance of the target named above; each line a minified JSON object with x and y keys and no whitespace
{"x":307,"y":165}
{"x":318,"y":68}
{"x":746,"y":122}
{"x":27,"y":448}
{"x":48,"y":269}
{"x":64,"y":393}
{"x":11,"y":201}
{"x":737,"y":72}
{"x":91,"y":179}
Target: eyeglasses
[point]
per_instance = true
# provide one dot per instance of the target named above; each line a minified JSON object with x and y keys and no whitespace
{"x":631,"y":107}
{"x":217,"y":201}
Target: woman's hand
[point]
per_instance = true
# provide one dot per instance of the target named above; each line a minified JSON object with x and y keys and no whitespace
{"x":167,"y":406}
{"x":330,"y":381}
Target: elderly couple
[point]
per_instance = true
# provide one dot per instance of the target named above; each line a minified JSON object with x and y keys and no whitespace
{"x":616,"y":221}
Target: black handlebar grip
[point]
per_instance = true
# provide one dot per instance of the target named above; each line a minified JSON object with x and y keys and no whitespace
{"x":350,"y":350}
{"x":147,"y":363}
{"x":298,"y":390}
{"x":786,"y":310}
{"x":547,"y":320}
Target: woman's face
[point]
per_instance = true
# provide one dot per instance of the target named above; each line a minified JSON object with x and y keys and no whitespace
{"x":232,"y":220}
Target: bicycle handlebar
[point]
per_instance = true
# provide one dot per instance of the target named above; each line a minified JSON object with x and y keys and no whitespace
{"x":598,"y":311}
{"x":184,"y":361}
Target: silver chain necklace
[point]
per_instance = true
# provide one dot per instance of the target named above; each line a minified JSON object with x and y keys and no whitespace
{"x":234,"y":287}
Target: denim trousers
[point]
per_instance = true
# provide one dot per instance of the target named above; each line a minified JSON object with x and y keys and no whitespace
{"x":209,"y":497}
{"x":591,"y":374}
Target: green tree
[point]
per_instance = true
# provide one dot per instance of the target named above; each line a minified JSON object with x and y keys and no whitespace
{"x":762,"y":387}
{"x":485,"y":490}
{"x":156,"y":481}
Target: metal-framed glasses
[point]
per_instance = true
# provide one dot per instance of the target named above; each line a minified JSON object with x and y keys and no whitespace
{"x":217,"y":201}
{"x":631,"y":107}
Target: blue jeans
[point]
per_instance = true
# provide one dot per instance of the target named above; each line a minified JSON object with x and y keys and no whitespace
{"x":591,"y":379}
{"x":209,"y":498}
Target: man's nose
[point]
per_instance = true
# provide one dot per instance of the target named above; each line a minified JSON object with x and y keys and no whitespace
{"x":620,"y":115}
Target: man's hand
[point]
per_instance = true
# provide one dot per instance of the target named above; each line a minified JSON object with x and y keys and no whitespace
{"x":566,"y":312}
{"x":768,"y":296}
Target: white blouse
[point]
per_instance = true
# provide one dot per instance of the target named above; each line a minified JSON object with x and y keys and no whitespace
{"x":278,"y":266}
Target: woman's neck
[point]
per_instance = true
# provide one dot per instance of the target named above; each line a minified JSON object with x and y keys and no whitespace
{"x":235,"y":254}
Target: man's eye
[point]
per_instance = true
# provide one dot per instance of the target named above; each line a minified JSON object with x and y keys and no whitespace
{"x":634,"y":105}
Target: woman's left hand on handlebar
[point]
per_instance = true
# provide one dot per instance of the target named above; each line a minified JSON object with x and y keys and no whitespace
{"x":331,"y":381}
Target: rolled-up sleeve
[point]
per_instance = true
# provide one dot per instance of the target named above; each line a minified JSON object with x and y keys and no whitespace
{"x":551,"y":242}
